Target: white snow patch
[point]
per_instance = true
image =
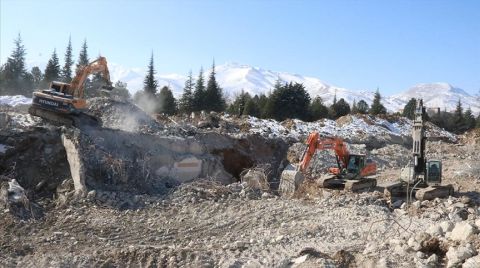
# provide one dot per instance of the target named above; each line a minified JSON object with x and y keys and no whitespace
{"x":354,"y":126}
{"x":14,"y":100}
{"x":3,"y":148}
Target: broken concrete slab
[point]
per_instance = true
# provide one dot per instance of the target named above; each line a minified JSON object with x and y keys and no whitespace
{"x":77,"y":168}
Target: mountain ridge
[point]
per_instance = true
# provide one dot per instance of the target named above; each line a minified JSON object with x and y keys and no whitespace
{"x":234,"y":77}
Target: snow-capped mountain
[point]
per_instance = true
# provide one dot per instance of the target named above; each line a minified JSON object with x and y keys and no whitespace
{"x":234,"y":78}
{"x":441,"y":95}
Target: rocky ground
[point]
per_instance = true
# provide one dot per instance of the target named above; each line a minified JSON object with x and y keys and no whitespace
{"x":122,"y":220}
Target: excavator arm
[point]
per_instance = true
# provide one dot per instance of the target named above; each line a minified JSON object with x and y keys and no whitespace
{"x":316,"y":142}
{"x":291,"y":179}
{"x":77,"y":85}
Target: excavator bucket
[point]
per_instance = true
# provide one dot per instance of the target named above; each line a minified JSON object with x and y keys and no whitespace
{"x":290,"y":180}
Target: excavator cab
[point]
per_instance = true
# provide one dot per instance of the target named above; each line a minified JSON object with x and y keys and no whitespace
{"x":434,"y":172}
{"x":59,"y":86}
{"x":355,"y":163}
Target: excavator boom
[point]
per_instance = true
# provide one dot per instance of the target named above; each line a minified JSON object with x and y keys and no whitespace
{"x":315,"y":142}
{"x":77,"y":85}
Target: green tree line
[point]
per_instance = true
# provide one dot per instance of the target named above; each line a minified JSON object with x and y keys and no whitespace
{"x":15,"y":79}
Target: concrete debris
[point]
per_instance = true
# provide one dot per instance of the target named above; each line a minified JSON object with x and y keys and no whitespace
{"x":13,"y":199}
{"x":456,"y":255}
{"x":473,"y":262}
{"x":204,"y":190}
{"x":462,"y":231}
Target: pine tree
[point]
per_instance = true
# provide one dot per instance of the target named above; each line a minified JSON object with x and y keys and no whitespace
{"x":83,"y":60}
{"x":458,"y":118}
{"x":199,"y":93}
{"x":167,"y":101}
{"x":52,"y":71}
{"x":354,"y":107}
{"x":409,"y":109}
{"x":340,"y":108}
{"x":362,"y":107}
{"x":83,"y":56}
{"x":268,"y":107}
{"x":186,"y":101}
{"x":37,"y":76}
{"x":278,"y":83}
{"x":238,"y":105}
{"x":478,"y":121}
{"x":262,"y":105}
{"x":317,"y":109}
{"x":377,"y":107}
{"x":14,"y":71}
{"x":289,"y":101}
{"x":67,"y":67}
{"x":469,"y":119}
{"x":150,"y":84}
{"x":251,"y":107}
{"x":335,"y":97}
{"x":213,"y":99}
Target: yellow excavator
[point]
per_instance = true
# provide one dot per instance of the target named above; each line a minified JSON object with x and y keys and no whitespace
{"x":64,"y":103}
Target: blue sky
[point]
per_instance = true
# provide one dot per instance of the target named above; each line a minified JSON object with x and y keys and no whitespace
{"x":352,"y":44}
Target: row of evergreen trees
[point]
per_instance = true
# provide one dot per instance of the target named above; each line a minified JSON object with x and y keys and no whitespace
{"x":15,"y":79}
{"x":196,"y":95}
{"x":287,"y":100}
{"x":291,"y":100}
{"x":457,"y":122}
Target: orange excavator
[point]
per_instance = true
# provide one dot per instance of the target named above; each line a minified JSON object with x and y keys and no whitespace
{"x":353,"y":172}
{"x":64,"y":103}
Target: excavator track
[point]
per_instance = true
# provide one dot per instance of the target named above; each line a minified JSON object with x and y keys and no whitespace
{"x":432,"y":192}
{"x":79,"y":120}
{"x":51,"y":116}
{"x":360,"y":185}
{"x":335,"y":182}
{"x":330,"y":181}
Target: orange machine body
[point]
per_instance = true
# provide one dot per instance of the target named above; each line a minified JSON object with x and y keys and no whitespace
{"x":346,"y":163}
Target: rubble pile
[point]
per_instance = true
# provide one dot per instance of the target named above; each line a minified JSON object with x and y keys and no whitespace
{"x":374,"y":132}
{"x":202,"y":190}
{"x":390,"y":156}
{"x":122,"y":115}
{"x":450,"y":239}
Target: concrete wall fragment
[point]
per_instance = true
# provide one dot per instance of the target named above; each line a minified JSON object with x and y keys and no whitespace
{"x":77,"y":168}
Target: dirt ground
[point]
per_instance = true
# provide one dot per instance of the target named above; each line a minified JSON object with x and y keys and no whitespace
{"x":216,"y":231}
{"x":203,"y":223}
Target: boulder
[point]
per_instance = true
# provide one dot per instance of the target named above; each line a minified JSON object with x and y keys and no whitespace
{"x":473,"y":262}
{"x":456,"y":255}
{"x":432,"y":261}
{"x":435,"y":230}
{"x":447,"y":226}
{"x":462,"y":231}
